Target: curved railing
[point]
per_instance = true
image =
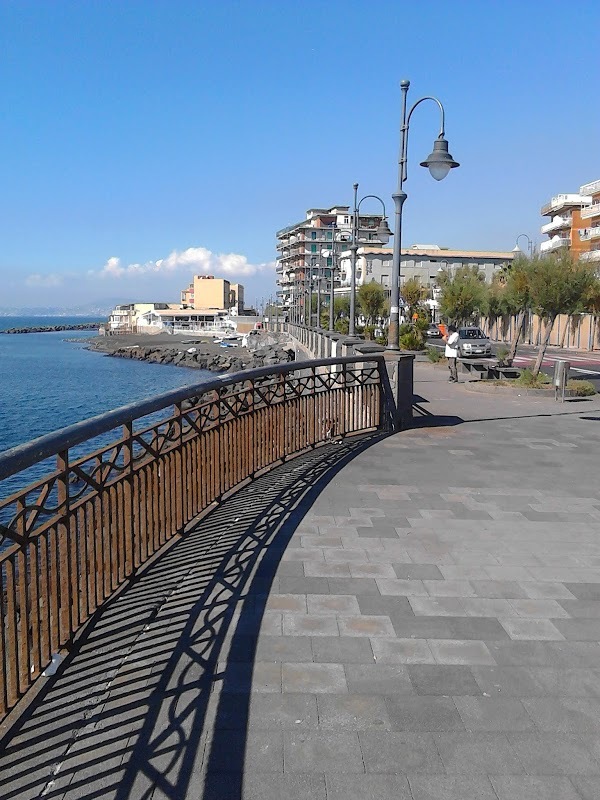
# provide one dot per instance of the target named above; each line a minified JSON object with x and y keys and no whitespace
{"x":108,"y":493}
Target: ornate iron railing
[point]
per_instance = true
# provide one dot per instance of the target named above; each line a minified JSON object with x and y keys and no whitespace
{"x":120,"y":485}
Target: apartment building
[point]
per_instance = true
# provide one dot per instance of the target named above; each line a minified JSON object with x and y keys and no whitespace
{"x":207,"y":292}
{"x":421,"y":261}
{"x":312,"y":245}
{"x":574,"y":223}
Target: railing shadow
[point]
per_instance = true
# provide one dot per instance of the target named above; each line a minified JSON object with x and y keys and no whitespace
{"x":156,"y":695}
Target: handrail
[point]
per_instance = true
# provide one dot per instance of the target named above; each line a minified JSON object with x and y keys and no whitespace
{"x":26,"y":455}
{"x":73,"y":535}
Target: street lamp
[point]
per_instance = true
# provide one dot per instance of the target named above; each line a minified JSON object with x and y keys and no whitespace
{"x":383,"y":235}
{"x":516,"y":249}
{"x":343,"y":235}
{"x":439,"y":162}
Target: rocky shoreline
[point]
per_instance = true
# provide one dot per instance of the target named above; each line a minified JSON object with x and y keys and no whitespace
{"x":267,"y":350}
{"x":81,"y":326}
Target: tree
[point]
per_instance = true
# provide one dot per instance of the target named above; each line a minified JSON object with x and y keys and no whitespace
{"x":517,"y":298}
{"x":371,"y":301}
{"x":463,"y":294}
{"x":591,"y":304}
{"x":341,"y":308}
{"x":557,"y":283}
{"x":413,"y":293}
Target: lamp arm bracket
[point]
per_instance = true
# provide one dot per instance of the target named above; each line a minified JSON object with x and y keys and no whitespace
{"x":442,"y":113}
{"x":373,"y":197}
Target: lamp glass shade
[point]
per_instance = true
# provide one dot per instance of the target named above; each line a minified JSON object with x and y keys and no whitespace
{"x":439,"y":162}
{"x":439,"y":170}
{"x":383,"y":231}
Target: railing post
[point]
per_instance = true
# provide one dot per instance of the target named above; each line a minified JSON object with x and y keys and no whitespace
{"x":63,"y":562}
{"x":400,"y":375}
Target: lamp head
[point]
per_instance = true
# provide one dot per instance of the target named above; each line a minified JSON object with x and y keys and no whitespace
{"x":516,"y":249}
{"x":439,"y":161}
{"x":383,"y":231}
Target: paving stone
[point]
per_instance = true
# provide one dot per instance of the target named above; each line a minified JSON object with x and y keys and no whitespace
{"x":353,"y":712}
{"x":541,"y":629}
{"x":586,"y":609}
{"x":584,"y":591}
{"x":363,"y":625}
{"x":355,"y":586}
{"x":262,"y":676}
{"x":402,"y":651}
{"x":464,"y":572}
{"x":291,"y":786}
{"x":372,"y":571}
{"x":314,"y":678}
{"x":367,"y":787}
{"x":493,"y":714}
{"x":387,"y":606}
{"x":508,"y":681}
{"x":287,"y":602}
{"x":291,"y":711}
{"x":342,"y":650}
{"x":332,"y":604}
{"x":579,"y":630}
{"x":283,"y":648}
{"x":449,"y":588}
{"x":588,"y":788}
{"x":309,"y":625}
{"x":416,"y":572}
{"x":543,"y":654}
{"x":570,"y":714}
{"x":423,"y":714}
{"x":546,"y":609}
{"x":322,"y":751}
{"x":423,"y":627}
{"x":450,"y":787}
{"x":378,"y":679}
{"x":487,"y":753}
{"x":552,"y":754}
{"x":483,"y":607}
{"x":438,"y":606}
{"x":499,"y":590}
{"x":527,"y":787}
{"x":484,"y":628}
{"x":395,"y":586}
{"x":446,"y":680}
{"x":290,"y":569}
{"x":397,"y":753}
{"x":547,"y":590}
{"x":453,"y":651}
{"x":261,"y":752}
{"x":307,"y":585}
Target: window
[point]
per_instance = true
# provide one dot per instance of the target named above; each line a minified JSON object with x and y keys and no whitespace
{"x":328,"y":235}
{"x":329,"y":262}
{"x":346,"y":220}
{"x":313,"y":248}
{"x":369,"y":268}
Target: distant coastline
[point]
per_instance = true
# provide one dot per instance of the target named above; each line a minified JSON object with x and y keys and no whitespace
{"x":80,"y":326}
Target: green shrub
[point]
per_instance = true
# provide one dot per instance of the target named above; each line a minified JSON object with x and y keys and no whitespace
{"x":531,"y":381}
{"x":422,"y":324}
{"x":405,"y":328}
{"x":581,"y":388}
{"x":434,"y":354}
{"x":412,"y":340}
{"x":342,"y":325}
{"x":381,"y":340}
{"x":369,"y":331}
{"x":501,"y":354}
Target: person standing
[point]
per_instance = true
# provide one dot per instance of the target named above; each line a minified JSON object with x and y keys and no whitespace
{"x":451,"y":352}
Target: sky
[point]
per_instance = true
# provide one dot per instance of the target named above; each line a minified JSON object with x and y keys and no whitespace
{"x":142,"y":142}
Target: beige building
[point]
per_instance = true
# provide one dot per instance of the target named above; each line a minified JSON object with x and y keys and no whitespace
{"x":207,"y":292}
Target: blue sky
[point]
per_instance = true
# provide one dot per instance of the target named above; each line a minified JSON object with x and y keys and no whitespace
{"x":144,"y":141}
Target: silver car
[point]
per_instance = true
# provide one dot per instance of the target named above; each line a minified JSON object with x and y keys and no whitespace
{"x":473,"y":342}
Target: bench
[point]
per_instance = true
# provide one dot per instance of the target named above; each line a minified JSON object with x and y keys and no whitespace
{"x":488,"y":369}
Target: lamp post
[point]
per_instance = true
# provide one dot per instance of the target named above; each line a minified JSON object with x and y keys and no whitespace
{"x":439,"y":163}
{"x":530,"y":247}
{"x":383,"y":235}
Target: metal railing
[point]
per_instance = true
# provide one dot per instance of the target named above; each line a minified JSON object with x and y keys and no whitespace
{"x":108,"y":493}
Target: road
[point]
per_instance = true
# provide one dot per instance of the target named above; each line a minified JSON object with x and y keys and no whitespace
{"x":583,"y":365}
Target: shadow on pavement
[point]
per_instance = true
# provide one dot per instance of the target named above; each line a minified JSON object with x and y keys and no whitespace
{"x":154,"y":701}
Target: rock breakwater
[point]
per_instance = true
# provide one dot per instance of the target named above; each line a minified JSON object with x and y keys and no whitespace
{"x":81,"y":326}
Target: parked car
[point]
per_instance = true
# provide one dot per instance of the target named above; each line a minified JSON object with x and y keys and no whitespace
{"x":473,"y":342}
{"x":433,"y":332}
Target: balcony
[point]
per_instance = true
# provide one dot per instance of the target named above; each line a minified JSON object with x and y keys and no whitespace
{"x":589,"y":233}
{"x":555,"y":244}
{"x":590,"y":188}
{"x":556,"y":224}
{"x":591,"y":255}
{"x":591,"y":211}
{"x":565,"y":201}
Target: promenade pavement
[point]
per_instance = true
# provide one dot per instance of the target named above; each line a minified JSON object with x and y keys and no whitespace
{"x":414,"y":617}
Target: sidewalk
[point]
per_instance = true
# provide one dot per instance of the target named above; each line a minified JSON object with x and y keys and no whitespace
{"x":416,"y":618}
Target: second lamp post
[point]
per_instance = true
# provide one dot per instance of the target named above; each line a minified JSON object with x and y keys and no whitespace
{"x":439,"y":163}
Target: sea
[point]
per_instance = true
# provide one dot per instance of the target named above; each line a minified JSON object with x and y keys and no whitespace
{"x":49,"y":381}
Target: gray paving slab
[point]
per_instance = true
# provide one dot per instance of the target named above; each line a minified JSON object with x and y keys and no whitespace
{"x":420,"y":620}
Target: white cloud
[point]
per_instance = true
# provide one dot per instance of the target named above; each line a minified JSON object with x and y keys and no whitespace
{"x":44,"y":280}
{"x":198,"y":260}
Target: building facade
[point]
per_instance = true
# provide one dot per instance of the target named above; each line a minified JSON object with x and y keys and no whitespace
{"x":208,"y":292}
{"x":574,"y":223}
{"x":423,"y":262}
{"x":308,"y":251}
